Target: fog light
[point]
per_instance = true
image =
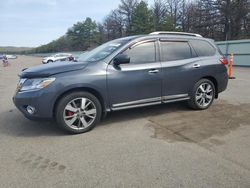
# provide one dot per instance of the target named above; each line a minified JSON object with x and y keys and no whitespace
{"x":30,"y":109}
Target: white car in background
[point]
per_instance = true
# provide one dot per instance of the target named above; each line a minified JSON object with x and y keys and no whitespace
{"x":57,"y":57}
{"x":11,"y":56}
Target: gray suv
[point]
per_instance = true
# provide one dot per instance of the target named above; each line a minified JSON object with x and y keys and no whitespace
{"x":129,"y":72}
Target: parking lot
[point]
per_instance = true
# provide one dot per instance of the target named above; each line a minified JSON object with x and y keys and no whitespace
{"x":160,"y":146}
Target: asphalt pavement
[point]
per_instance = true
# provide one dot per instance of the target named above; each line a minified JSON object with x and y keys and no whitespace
{"x":160,"y":146}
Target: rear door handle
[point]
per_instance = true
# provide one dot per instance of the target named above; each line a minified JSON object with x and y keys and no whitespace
{"x":153,"y":71}
{"x":196,"y":65}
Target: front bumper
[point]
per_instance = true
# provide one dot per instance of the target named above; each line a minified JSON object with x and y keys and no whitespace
{"x":42,"y":102}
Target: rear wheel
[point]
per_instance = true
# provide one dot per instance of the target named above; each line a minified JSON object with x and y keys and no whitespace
{"x":78,"y":112}
{"x":202,"y":95}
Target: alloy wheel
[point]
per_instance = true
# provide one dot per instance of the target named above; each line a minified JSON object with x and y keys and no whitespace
{"x":204,"y":95}
{"x":80,"y":113}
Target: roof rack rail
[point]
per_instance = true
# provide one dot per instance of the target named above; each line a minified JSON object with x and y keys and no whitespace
{"x":175,"y":33}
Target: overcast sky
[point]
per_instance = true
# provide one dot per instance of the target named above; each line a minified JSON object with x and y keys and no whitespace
{"x":36,"y":22}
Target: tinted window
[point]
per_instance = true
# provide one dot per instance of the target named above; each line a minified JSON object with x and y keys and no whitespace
{"x":202,"y":48}
{"x":171,"y":51}
{"x":142,"y":53}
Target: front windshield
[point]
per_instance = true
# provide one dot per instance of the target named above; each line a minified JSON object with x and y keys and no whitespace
{"x":102,"y":51}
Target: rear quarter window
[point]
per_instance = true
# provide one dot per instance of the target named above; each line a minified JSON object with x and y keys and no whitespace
{"x":203,"y":48}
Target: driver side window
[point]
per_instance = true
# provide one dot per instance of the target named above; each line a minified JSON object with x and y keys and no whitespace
{"x":142,"y":53}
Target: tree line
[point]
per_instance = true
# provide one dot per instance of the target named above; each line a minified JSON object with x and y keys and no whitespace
{"x":216,"y":19}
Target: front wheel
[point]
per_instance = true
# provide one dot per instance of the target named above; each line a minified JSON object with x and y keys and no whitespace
{"x":78,"y":112}
{"x":202,"y":95}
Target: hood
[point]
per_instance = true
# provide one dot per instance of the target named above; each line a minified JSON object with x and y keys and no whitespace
{"x":47,"y":57}
{"x":47,"y":70}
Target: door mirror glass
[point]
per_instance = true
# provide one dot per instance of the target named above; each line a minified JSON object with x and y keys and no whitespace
{"x":121,"y":59}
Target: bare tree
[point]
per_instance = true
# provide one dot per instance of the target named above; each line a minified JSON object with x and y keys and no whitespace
{"x":217,"y":19}
{"x":159,"y":10}
{"x":174,"y":7}
{"x":126,"y":8}
{"x":240,"y":10}
{"x":114,"y":25}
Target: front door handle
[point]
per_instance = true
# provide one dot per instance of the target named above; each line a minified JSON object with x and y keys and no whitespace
{"x":153,"y":71}
{"x":196,"y":65}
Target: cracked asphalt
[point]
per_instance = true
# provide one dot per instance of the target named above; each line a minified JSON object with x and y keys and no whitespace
{"x":159,"y":146}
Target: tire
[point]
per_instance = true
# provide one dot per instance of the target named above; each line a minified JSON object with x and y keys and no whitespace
{"x":49,"y":61}
{"x":78,"y":112}
{"x":202,"y":95}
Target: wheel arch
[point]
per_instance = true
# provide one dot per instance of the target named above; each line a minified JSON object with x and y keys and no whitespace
{"x":86,"y":89}
{"x":212,"y":79}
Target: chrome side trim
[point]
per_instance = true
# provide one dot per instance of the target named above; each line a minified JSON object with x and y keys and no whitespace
{"x":135,"y":106}
{"x":137,"y":102}
{"x":150,"y":101}
{"x":170,"y":97}
{"x":175,"y":100}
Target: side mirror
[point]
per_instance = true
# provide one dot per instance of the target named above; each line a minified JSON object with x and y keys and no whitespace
{"x":121,"y":59}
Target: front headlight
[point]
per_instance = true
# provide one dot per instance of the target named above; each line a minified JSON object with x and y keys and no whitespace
{"x":34,"y":84}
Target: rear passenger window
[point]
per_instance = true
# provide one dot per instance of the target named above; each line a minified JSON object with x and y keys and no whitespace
{"x":142,"y":53}
{"x":171,"y":51}
{"x":202,"y":48}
